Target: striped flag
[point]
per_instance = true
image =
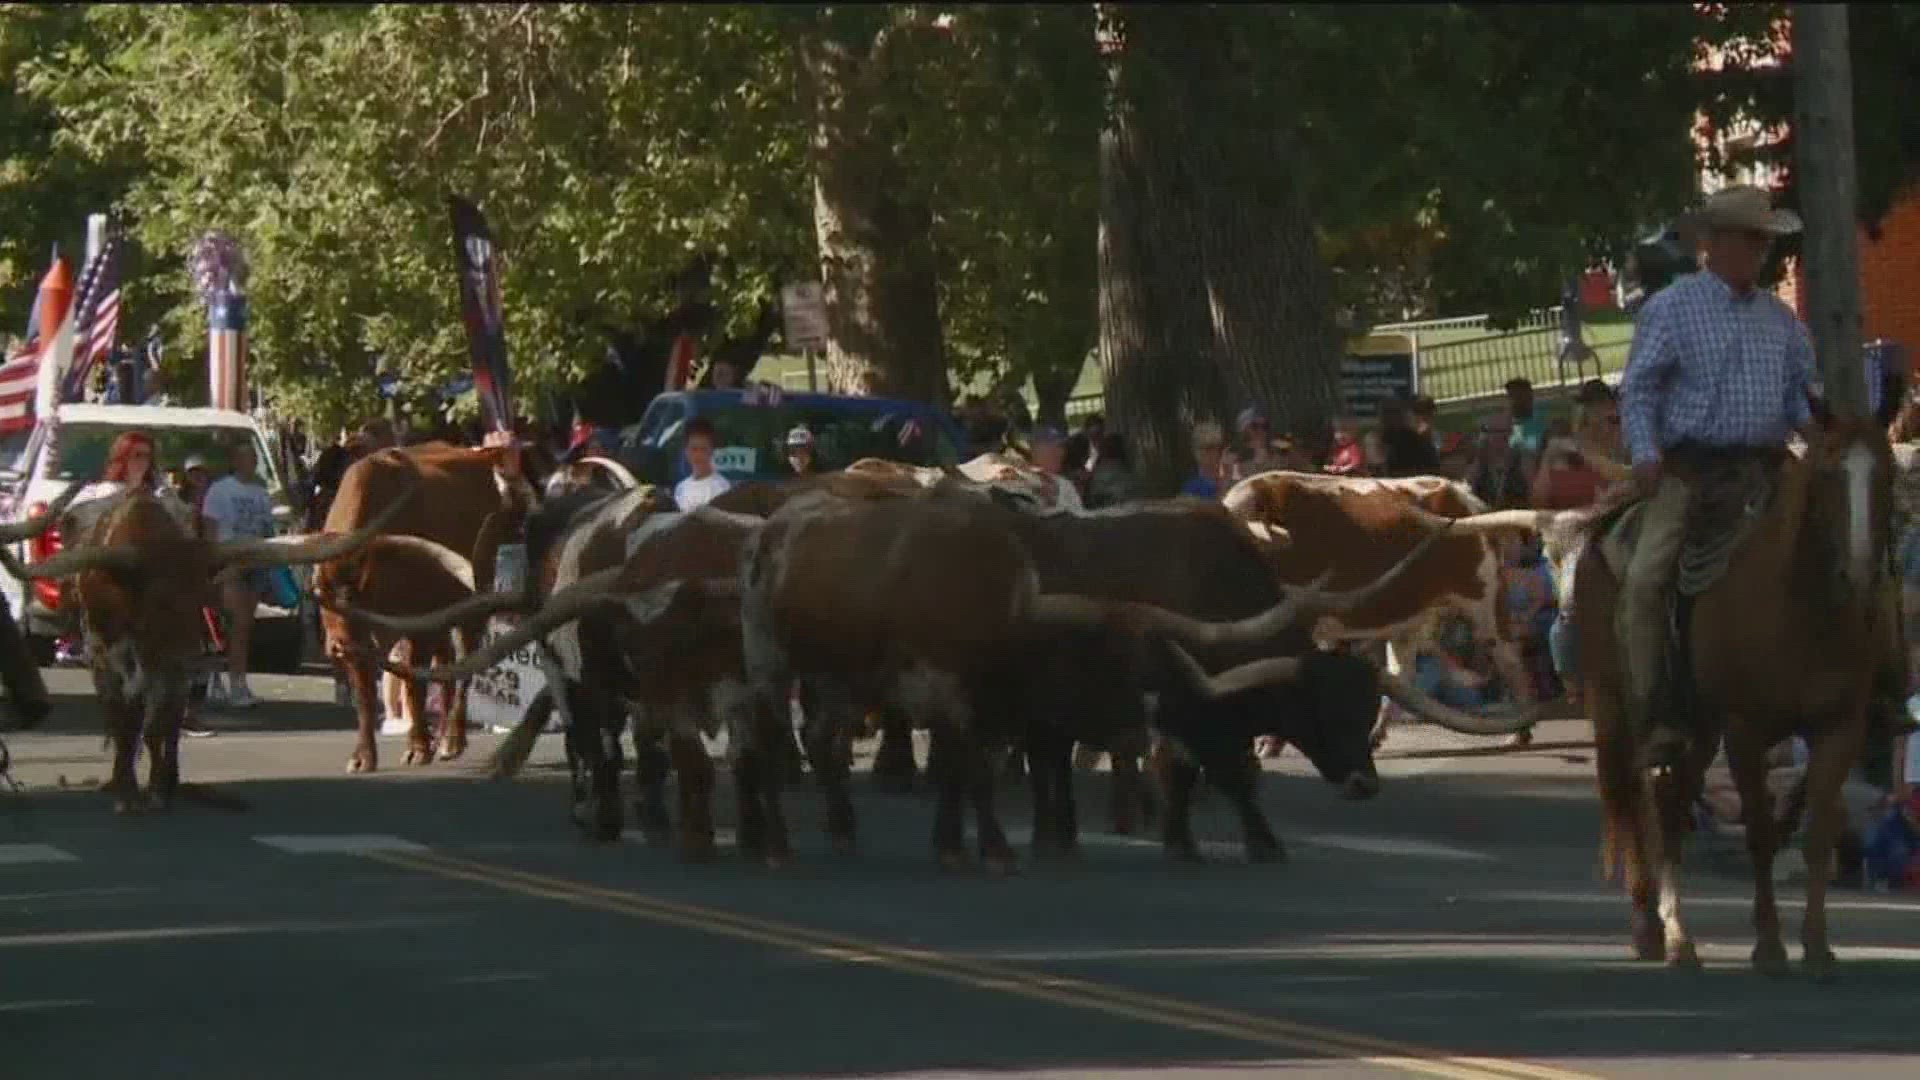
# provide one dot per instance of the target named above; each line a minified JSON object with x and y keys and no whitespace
{"x":18,"y":379}
{"x":227,"y":351}
{"x":96,"y":318}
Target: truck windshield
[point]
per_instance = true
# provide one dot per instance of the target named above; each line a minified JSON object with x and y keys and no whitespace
{"x":78,"y":451}
{"x":752,"y":438}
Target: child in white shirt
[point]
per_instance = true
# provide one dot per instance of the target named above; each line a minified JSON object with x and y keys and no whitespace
{"x":704,"y":484}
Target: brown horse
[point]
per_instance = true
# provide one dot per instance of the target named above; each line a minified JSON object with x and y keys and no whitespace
{"x":1786,"y":641}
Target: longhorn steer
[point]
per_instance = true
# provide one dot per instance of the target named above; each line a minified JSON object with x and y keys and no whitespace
{"x":142,"y":581}
{"x":463,"y":493}
{"x":658,"y":632}
{"x":930,"y":601}
{"x":1354,"y":527}
{"x":1195,"y":558}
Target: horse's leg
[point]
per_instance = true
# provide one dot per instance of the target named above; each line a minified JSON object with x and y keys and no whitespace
{"x":1747,"y":760}
{"x":1668,"y":803}
{"x":1833,"y":757}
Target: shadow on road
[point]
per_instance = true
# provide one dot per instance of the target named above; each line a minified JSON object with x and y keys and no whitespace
{"x":1460,"y":911}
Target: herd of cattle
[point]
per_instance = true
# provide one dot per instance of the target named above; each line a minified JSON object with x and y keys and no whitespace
{"x":956,"y":600}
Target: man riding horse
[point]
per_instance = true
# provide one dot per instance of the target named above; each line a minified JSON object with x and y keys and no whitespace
{"x":1721,"y":372}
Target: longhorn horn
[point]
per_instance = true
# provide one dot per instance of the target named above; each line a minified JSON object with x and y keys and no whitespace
{"x":311,"y":547}
{"x":564,"y":606}
{"x":478,"y":606}
{"x":40,"y":523}
{"x":1296,"y":603}
{"x":1423,"y":705}
{"x":619,"y":472}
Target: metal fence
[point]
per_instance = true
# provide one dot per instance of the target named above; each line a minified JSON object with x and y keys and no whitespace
{"x":1466,"y":357}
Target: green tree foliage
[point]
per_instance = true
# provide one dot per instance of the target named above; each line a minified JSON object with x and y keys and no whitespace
{"x":325,"y":139}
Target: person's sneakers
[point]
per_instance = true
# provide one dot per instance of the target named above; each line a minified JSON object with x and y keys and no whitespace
{"x":241,"y":697}
{"x":194,"y":727}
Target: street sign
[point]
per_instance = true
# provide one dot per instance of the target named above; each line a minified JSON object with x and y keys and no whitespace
{"x":803,"y":306}
{"x":1377,"y":368}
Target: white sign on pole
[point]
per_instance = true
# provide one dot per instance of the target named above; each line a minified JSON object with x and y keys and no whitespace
{"x":804,"y":307}
{"x":498,"y":696}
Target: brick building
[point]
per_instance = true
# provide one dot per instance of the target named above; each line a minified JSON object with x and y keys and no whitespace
{"x":1889,"y":266}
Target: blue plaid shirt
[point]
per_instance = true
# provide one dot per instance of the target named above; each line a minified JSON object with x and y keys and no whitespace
{"x":1714,"y":368}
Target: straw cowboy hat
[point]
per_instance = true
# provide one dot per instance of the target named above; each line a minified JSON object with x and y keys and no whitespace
{"x":1745,"y":207}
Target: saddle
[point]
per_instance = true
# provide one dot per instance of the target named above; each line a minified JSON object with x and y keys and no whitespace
{"x":1731,"y":492}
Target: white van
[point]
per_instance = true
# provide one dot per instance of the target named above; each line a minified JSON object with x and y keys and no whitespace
{"x":75,"y":451}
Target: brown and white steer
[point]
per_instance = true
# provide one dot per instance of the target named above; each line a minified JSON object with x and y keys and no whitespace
{"x":142,"y":581}
{"x":657,"y":633}
{"x":1356,"y":527}
{"x":463,"y":494}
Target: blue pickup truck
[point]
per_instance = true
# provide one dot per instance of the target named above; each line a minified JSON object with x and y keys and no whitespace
{"x":752,"y":426}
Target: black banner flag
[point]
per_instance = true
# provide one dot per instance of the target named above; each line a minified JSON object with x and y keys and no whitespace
{"x":480,"y":307}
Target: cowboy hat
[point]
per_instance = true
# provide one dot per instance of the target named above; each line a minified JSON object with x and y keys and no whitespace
{"x":1745,"y":207}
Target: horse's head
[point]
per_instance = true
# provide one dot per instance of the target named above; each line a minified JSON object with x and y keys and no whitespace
{"x":1850,"y":498}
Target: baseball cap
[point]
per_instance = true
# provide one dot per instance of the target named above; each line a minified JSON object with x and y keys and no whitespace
{"x":799,"y":436}
{"x":1249,"y":416}
{"x":196,"y":461}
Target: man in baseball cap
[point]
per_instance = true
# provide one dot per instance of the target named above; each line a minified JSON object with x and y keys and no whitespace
{"x":800,"y":450}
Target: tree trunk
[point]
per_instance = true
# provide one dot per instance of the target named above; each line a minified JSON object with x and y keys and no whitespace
{"x":1214,"y":294}
{"x":877,"y":261}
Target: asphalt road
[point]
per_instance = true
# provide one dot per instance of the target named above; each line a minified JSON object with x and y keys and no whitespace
{"x":421,"y":923}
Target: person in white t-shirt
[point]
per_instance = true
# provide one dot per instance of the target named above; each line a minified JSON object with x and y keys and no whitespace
{"x":704,"y":483}
{"x":238,"y":507}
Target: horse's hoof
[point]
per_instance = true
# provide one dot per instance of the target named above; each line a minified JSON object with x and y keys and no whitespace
{"x":1682,"y":956}
{"x":1266,"y":851}
{"x":1770,"y":958}
{"x":1820,"y":967}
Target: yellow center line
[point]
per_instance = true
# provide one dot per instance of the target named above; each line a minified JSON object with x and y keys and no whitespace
{"x":999,"y":978}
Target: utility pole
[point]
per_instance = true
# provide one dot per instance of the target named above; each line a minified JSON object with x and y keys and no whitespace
{"x":1824,"y":162}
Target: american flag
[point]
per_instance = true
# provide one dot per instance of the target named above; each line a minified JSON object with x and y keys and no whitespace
{"x":96,"y":318}
{"x":19,"y":379}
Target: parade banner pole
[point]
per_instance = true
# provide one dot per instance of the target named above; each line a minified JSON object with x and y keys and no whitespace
{"x":220,"y":273}
{"x":480,"y":308}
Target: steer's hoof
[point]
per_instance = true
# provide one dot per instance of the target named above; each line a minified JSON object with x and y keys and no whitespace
{"x":1770,"y":958}
{"x":1682,"y":956}
{"x":362,"y":763}
{"x":452,"y":751}
{"x":1649,"y":945}
{"x":419,"y":755}
{"x":1820,"y":966}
